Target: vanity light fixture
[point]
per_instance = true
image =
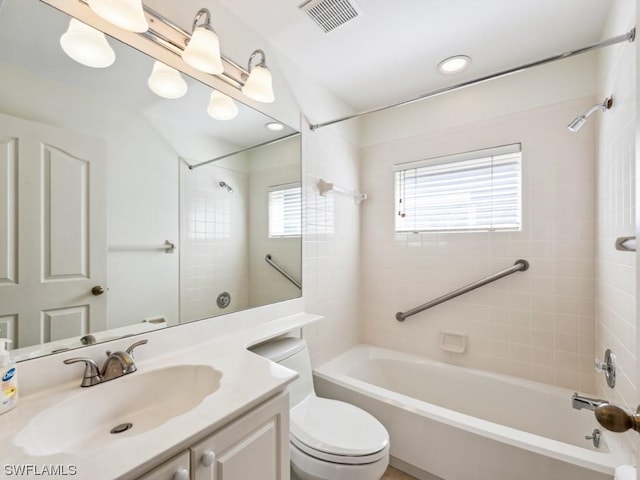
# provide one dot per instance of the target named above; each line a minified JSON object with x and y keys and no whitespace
{"x":126,"y":14}
{"x":453,"y":65}
{"x":86,"y":45}
{"x":577,"y":123}
{"x":166,"y":82}
{"x":258,"y":84}
{"x":203,"y":48}
{"x":274,"y":126}
{"x":221,"y":106}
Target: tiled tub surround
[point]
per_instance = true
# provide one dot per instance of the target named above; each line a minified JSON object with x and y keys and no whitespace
{"x":616,"y":284}
{"x":246,"y":381}
{"x":536,"y":325}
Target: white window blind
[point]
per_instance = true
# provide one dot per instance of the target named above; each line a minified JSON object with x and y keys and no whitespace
{"x":467,"y":192}
{"x":285,"y":210}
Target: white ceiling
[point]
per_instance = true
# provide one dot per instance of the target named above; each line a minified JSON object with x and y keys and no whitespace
{"x":390,"y":52}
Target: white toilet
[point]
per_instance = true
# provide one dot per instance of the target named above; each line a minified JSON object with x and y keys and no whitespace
{"x":330,"y":439}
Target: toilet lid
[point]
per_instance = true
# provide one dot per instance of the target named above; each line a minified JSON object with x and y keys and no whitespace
{"x":337,"y":428}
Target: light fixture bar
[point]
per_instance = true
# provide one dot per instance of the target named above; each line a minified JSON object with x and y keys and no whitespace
{"x":263,"y":144}
{"x":170,"y":36}
{"x":627,"y":37}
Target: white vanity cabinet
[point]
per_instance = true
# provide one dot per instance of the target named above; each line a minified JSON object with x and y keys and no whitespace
{"x":175,"y":469}
{"x":253,"y":447}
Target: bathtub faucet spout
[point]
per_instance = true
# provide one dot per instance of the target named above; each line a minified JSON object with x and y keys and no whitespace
{"x":579,"y":402}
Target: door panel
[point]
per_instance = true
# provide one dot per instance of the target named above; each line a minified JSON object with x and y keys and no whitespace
{"x":53,"y":186}
{"x":66,"y":206}
{"x":8,"y":210}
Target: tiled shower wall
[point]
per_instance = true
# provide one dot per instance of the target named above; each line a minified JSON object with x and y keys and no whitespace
{"x":616,"y":199}
{"x":215,"y":241}
{"x":536,"y":325}
{"x":331,"y":242}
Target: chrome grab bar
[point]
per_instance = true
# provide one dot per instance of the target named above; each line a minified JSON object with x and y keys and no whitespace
{"x":282,"y":271}
{"x":520,"y":265}
{"x":626,"y":244}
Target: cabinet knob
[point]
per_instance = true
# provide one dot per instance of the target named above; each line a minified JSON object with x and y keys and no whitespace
{"x":182,"y":474}
{"x":208,"y":458}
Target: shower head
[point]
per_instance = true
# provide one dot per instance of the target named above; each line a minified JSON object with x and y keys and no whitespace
{"x":577,"y":123}
{"x":226,"y":185}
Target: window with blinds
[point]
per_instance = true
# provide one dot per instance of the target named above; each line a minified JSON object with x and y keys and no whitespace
{"x":285,"y":210}
{"x":472,"y":191}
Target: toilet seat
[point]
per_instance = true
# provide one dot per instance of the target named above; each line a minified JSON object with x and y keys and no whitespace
{"x":337,"y":432}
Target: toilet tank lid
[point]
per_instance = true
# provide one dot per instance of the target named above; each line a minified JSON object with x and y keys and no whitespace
{"x":280,"y":349}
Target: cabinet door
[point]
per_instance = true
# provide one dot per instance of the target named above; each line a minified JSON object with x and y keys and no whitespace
{"x":255,"y":447}
{"x":175,"y":469}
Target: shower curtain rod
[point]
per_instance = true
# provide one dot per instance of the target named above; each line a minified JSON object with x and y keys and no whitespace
{"x":263,"y":144}
{"x":627,"y":37}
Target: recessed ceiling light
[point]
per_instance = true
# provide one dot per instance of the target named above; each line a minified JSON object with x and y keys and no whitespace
{"x":454,"y":64}
{"x":274,"y":126}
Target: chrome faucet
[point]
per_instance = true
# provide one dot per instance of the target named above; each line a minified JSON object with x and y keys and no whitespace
{"x":579,"y":402}
{"x":116,"y":365}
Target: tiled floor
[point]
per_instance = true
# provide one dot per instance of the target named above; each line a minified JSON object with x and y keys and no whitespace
{"x":395,"y":474}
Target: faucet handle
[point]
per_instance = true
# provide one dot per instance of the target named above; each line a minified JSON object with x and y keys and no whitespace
{"x":608,"y":367}
{"x":91,"y":371}
{"x":137,"y":344}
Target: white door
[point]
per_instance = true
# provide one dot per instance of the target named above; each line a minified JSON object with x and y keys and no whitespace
{"x":52,"y":232}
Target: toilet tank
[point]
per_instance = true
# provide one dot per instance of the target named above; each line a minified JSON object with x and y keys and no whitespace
{"x":291,"y":353}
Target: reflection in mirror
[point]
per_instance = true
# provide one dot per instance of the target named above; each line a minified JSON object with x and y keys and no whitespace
{"x":107,"y":232}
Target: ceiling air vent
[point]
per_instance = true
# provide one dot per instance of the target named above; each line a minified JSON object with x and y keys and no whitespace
{"x":331,"y":14}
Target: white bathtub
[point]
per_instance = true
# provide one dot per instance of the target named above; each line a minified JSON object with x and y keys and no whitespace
{"x":462,"y":424}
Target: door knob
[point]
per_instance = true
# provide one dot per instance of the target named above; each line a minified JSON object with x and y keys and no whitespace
{"x":617,"y":419}
{"x":97,"y":290}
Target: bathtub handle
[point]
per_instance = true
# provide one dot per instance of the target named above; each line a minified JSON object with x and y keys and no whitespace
{"x":518,"y":266}
{"x":616,"y":419}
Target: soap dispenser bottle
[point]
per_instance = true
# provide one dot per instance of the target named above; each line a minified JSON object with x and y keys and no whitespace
{"x":8,"y":379}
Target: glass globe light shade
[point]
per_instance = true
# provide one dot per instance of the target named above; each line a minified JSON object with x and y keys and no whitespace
{"x":126,"y":14}
{"x":221,"y":106}
{"x":166,"y":82}
{"x":86,"y":45}
{"x":203,"y":51}
{"x":259,"y":85}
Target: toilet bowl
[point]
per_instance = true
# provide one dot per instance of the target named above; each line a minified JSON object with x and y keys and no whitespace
{"x":329,"y":439}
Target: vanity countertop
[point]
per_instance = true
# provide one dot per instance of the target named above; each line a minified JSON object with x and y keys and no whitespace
{"x":247,"y":380}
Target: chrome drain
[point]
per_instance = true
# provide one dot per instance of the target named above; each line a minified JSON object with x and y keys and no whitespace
{"x":123,"y":427}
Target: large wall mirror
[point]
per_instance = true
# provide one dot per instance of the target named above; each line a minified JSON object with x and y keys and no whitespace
{"x":105,"y":230}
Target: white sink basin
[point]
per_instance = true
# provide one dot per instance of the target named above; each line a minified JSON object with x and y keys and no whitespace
{"x":145,"y":400}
